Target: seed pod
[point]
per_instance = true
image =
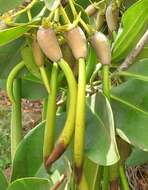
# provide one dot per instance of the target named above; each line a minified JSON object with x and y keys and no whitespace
{"x":112,"y":18}
{"x":102,"y":48}
{"x":49,"y":44}
{"x":90,"y":10}
{"x":77,"y":42}
{"x":37,"y":53}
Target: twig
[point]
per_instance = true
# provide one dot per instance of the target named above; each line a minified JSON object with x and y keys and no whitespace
{"x":58,"y":183}
{"x":130,"y":58}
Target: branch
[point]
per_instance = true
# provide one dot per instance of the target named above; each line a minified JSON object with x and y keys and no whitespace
{"x":130,"y":58}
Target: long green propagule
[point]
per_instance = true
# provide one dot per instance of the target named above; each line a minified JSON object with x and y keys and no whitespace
{"x":14,"y":93}
{"x":77,"y":42}
{"x":49,"y":44}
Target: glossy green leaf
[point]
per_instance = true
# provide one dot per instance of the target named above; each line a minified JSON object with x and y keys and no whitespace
{"x":101,"y":145}
{"x":29,"y":165}
{"x":10,"y":34}
{"x":6,"y":5}
{"x":137,"y":157}
{"x":130,"y":105}
{"x":33,"y":90}
{"x":52,"y":4}
{"x":95,"y":170}
{"x":28,"y":58}
{"x":29,"y":184}
{"x":3,"y":181}
{"x":10,"y":56}
{"x":28,"y":158}
{"x":134,"y":23}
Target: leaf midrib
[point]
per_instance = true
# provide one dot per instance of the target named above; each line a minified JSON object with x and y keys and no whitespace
{"x":129,"y":104}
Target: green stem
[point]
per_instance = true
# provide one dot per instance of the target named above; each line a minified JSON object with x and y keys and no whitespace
{"x":51,"y":114}
{"x":105,"y":178}
{"x":69,"y":125}
{"x":91,"y":63}
{"x":10,"y":79}
{"x":64,"y":14}
{"x":45,"y":78}
{"x":25,"y":9}
{"x":106,"y":81}
{"x":123,"y":178}
{"x":80,"y":120}
{"x":16,"y":117}
{"x":73,"y":9}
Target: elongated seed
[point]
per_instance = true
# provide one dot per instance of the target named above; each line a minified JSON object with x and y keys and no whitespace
{"x":49,"y":44}
{"x":112,"y":18}
{"x":37,"y":53}
{"x":77,"y":42}
{"x":102,"y":48}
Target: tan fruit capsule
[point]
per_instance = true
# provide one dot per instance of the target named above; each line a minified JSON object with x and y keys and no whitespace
{"x":37,"y":53}
{"x":49,"y":44}
{"x":90,"y":10}
{"x":102,"y":48}
{"x":77,"y":42}
{"x":112,"y":18}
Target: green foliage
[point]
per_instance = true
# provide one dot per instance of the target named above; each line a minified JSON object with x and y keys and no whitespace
{"x":3,"y":181}
{"x":7,"y":5}
{"x":134,"y":23}
{"x":4,"y":138}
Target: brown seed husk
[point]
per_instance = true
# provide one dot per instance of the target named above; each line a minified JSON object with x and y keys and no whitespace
{"x":37,"y":53}
{"x":102,"y":48}
{"x":49,"y":44}
{"x":112,"y":17}
{"x":77,"y":42}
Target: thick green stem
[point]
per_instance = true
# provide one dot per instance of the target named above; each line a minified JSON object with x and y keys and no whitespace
{"x":66,"y":134}
{"x":106,"y":81}
{"x":123,"y":178}
{"x":80,"y":121}
{"x":91,"y":63}
{"x":51,"y":114}
{"x":105,"y":184}
{"x":45,"y":78}
{"x":10,"y":79}
{"x":114,"y":176}
{"x":16,"y":117}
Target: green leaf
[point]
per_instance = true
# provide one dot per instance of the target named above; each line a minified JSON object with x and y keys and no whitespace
{"x":134,"y":23}
{"x":3,"y":181}
{"x":95,"y":170}
{"x":29,"y":165}
{"x":28,"y":158}
{"x":101,"y":145}
{"x":10,"y":34}
{"x":29,"y":184}
{"x":33,"y":90}
{"x":6,"y":5}
{"x":52,"y":4}
{"x":10,"y":56}
{"x":137,"y":157}
{"x":28,"y":58}
{"x":130,"y":105}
